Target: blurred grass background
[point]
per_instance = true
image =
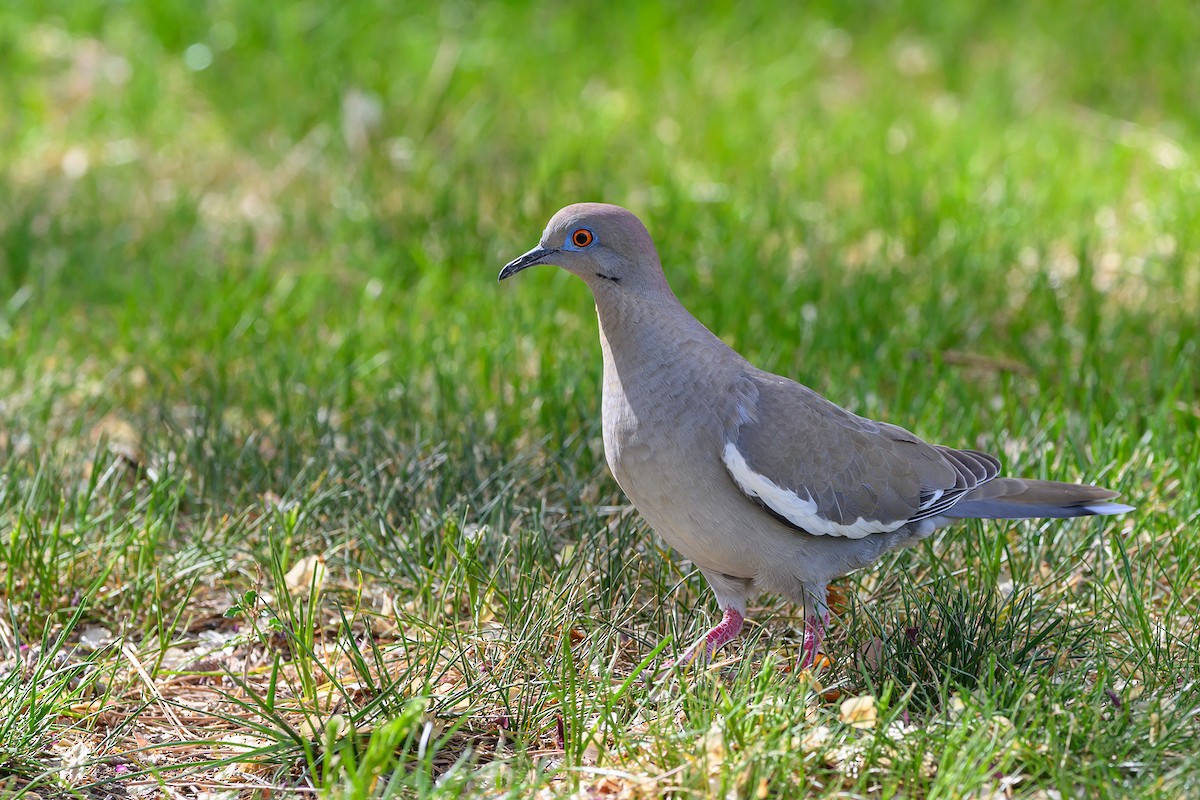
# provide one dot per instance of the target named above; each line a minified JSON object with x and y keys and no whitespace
{"x":247,"y":271}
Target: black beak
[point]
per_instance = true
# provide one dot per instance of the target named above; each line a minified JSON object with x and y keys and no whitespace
{"x":530,"y":259}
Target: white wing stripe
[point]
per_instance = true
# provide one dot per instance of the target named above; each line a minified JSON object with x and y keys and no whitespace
{"x":932,"y":501}
{"x":800,"y":511}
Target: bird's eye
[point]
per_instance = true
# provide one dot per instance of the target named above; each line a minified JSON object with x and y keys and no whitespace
{"x":582,"y":237}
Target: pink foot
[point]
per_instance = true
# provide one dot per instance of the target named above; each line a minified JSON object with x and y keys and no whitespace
{"x":814,"y":631}
{"x":724,"y":632}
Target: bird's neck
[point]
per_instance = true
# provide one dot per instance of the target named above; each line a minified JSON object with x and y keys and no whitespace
{"x":641,"y":333}
{"x":635,"y":322}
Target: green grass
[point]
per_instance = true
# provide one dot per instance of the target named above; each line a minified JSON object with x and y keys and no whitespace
{"x":294,"y":497}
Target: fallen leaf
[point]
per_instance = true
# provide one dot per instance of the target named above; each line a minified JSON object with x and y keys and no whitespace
{"x":859,"y":712}
{"x":93,"y":637}
{"x":872,"y":654}
{"x":308,"y":574}
{"x":836,"y":601}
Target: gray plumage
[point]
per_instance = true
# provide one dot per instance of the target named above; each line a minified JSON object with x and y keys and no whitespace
{"x":762,"y":483}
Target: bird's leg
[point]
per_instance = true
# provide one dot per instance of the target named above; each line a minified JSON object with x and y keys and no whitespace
{"x":721,"y":634}
{"x":814,"y":631}
{"x":816,"y":619}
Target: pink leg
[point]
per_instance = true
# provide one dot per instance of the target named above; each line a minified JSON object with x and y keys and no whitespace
{"x":814,"y":630}
{"x":724,"y":632}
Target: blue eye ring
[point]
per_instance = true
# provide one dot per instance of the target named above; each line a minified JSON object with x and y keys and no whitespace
{"x":581,"y":238}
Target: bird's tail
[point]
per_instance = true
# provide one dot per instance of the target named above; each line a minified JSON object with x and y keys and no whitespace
{"x":1019,"y":498}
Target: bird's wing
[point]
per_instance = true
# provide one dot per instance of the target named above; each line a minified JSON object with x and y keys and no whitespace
{"x":822,"y":470}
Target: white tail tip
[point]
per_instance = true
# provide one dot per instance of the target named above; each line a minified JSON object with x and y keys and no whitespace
{"x":1104,"y":509}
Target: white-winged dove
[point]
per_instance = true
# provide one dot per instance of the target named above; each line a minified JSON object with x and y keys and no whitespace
{"x":761,"y":482}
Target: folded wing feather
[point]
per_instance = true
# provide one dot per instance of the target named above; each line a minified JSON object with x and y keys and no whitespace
{"x":827,"y":472}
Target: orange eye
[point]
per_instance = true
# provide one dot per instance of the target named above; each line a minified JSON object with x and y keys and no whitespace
{"x":582,"y":237}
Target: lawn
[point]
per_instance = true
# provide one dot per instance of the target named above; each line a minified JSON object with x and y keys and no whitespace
{"x":295,"y":499}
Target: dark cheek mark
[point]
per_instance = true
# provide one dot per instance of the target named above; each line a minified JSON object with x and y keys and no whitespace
{"x":612,"y":278}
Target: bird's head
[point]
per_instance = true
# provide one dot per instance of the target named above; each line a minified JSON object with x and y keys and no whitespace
{"x":604,"y":244}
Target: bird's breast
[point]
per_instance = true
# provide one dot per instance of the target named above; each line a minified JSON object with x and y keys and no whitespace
{"x":625,"y":435}
{"x":661,"y":437}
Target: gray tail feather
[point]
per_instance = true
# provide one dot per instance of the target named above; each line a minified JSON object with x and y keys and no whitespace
{"x":1018,"y":498}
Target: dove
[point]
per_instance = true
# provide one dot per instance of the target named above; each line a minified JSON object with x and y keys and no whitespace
{"x":759,"y":481}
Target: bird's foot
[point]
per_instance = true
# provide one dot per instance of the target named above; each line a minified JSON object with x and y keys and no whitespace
{"x":721,"y":634}
{"x":814,"y":631}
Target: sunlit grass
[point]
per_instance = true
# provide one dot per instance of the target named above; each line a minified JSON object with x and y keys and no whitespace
{"x":294,"y":497}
